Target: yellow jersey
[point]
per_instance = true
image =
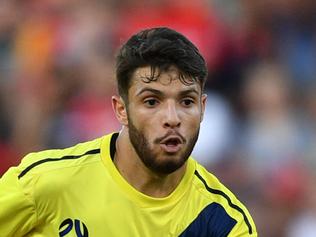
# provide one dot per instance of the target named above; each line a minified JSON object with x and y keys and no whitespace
{"x":78,"y":192}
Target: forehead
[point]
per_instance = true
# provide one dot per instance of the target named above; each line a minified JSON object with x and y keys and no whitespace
{"x":168,"y":80}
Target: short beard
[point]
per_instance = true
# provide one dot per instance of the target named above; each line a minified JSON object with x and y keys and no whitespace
{"x":149,"y":158}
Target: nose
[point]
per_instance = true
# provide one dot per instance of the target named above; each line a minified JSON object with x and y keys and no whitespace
{"x":171,"y":116}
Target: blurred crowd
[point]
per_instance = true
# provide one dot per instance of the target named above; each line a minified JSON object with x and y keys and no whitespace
{"x":259,"y":131}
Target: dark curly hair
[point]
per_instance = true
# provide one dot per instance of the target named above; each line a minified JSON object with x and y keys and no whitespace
{"x":160,"y":48}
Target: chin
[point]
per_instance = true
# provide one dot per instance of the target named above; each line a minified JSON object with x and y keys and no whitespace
{"x":167,"y":166}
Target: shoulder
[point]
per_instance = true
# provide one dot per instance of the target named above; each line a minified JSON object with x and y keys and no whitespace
{"x":211,"y":187}
{"x":48,"y":160}
{"x":218,"y":195}
{"x":50,"y":173}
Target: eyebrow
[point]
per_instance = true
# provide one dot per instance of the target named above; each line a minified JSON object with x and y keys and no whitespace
{"x":189,"y":91}
{"x":146,"y":89}
{"x":160,"y":93}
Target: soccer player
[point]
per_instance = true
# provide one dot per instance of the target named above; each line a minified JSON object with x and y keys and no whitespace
{"x":138,"y":182}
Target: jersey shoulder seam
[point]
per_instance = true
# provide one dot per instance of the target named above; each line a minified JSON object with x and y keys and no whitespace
{"x":67,"y":156}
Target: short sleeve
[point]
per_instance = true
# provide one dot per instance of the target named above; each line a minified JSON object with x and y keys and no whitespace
{"x":17,"y":209}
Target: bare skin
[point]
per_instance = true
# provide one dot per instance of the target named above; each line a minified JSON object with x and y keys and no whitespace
{"x":162,"y":119}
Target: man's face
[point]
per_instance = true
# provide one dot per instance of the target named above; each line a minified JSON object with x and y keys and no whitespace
{"x":163,"y":119}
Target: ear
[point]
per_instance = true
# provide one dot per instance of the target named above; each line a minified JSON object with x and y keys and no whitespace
{"x":203,"y":104}
{"x":119,"y":109}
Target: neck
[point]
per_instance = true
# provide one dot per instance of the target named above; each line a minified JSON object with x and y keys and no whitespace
{"x":138,"y":175}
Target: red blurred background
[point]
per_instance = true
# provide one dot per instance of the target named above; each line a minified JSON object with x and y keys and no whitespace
{"x":259,"y":130}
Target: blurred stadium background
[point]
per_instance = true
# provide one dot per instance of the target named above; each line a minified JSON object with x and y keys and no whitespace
{"x":259,"y":132}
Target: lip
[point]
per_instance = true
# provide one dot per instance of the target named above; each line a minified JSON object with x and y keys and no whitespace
{"x":173,"y":146}
{"x":172,"y":137}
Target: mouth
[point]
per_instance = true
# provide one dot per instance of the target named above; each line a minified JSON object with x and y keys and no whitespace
{"x":171,"y":144}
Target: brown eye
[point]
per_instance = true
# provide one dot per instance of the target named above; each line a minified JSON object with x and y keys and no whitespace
{"x":151,"y":102}
{"x":187,"y":102}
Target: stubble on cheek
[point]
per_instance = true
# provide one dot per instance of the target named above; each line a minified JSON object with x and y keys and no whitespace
{"x":153,"y":157}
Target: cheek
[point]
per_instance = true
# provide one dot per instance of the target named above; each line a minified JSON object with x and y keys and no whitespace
{"x":194,"y":125}
{"x":143,"y":125}
{"x":192,"y":118}
{"x":147,"y":120}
